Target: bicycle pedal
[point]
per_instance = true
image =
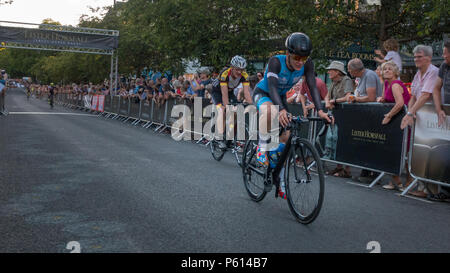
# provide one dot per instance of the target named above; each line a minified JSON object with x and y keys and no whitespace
{"x":268,"y":188}
{"x":268,"y":185}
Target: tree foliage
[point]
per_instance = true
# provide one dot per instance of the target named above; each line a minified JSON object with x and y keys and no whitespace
{"x":405,"y":20}
{"x":164,"y":34}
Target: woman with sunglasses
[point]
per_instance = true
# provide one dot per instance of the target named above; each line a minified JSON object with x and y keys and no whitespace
{"x":281,"y":74}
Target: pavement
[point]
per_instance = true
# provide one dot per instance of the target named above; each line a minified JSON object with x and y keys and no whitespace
{"x":69,"y":176}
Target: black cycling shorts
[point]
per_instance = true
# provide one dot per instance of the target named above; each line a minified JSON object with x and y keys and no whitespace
{"x":216,"y":95}
{"x":259,"y":97}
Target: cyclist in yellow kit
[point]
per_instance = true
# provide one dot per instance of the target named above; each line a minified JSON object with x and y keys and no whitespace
{"x":223,"y":87}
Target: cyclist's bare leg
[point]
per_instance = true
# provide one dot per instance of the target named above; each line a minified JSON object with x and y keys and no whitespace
{"x":221,"y":121}
{"x":266,"y":114}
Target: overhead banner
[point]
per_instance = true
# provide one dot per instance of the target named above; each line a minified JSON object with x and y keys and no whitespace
{"x":359,"y":138}
{"x":57,"y":38}
{"x":430,"y":157}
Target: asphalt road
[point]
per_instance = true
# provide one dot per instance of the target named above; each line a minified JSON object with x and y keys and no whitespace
{"x":113,"y":187}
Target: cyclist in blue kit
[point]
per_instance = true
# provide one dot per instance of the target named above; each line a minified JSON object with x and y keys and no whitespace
{"x":282,"y":73}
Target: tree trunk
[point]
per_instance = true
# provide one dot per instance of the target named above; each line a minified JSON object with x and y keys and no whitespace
{"x":382,"y":35}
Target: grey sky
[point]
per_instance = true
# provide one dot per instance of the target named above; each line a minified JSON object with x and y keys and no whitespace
{"x":67,"y":12}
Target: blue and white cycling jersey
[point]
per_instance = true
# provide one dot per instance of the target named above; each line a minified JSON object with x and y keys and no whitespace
{"x":286,"y":78}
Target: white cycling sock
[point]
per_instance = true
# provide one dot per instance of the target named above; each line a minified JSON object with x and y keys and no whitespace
{"x":264,"y":140}
{"x":282,"y":174}
{"x":282,"y":182}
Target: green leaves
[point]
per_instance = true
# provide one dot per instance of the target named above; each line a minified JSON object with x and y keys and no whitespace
{"x":162,"y":35}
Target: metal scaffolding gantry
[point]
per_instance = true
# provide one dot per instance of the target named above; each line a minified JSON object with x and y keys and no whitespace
{"x":67,"y":31}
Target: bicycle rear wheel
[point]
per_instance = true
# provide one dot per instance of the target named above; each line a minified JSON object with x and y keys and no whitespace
{"x":254,"y":173}
{"x":304,"y":187}
{"x":216,"y":151}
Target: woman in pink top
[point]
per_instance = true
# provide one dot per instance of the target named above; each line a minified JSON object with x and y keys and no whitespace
{"x":396,"y":92}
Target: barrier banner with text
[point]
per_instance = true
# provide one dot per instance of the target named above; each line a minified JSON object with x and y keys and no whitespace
{"x":430,"y":157}
{"x":359,"y":138}
{"x":98,"y":103}
{"x":94,"y":104}
{"x":101,"y":103}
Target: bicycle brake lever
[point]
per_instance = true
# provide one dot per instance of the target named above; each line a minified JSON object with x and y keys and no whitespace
{"x":330,"y":116}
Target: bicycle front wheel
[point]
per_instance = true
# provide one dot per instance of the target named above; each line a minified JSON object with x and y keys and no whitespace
{"x":305,"y":184}
{"x":254,"y":173}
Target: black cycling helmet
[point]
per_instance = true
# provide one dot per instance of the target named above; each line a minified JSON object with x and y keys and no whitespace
{"x":299,"y":43}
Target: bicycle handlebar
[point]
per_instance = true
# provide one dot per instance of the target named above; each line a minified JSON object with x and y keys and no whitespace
{"x":301,"y":119}
{"x":238,"y":103}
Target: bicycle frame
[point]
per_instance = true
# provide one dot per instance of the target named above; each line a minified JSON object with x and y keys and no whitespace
{"x":293,"y":137}
{"x":297,"y":148}
{"x":292,"y":140}
{"x":234,"y":147}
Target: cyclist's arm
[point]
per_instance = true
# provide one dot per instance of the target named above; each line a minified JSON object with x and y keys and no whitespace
{"x":247,"y":96}
{"x":274,"y":68}
{"x":311,"y":82}
{"x":224,"y":90}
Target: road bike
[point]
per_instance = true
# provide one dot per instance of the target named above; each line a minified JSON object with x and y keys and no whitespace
{"x":304,"y":174}
{"x":235,"y":145}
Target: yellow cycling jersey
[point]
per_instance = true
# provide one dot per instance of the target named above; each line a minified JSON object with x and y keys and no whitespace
{"x":226,"y":79}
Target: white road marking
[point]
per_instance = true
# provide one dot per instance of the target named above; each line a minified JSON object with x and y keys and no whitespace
{"x":357,"y":184}
{"x":398,"y":194}
{"x":415,"y":198}
{"x":49,"y":113}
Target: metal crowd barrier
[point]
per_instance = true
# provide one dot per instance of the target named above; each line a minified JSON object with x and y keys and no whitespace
{"x":362,"y":141}
{"x":108,"y":106}
{"x":429,"y":157}
{"x":124,"y":108}
{"x":159,"y":114}
{"x":146,"y":113}
{"x":115,"y":107}
{"x":135,"y":110}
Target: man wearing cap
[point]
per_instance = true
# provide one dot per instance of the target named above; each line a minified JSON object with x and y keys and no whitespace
{"x":341,"y":87}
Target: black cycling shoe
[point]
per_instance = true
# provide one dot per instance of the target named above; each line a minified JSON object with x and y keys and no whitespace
{"x":276,"y":182}
{"x":222,"y":144}
{"x":229,"y":143}
{"x":268,"y":185}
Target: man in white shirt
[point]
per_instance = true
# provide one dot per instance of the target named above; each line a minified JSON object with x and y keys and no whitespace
{"x":421,"y":91}
{"x":423,"y":83}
